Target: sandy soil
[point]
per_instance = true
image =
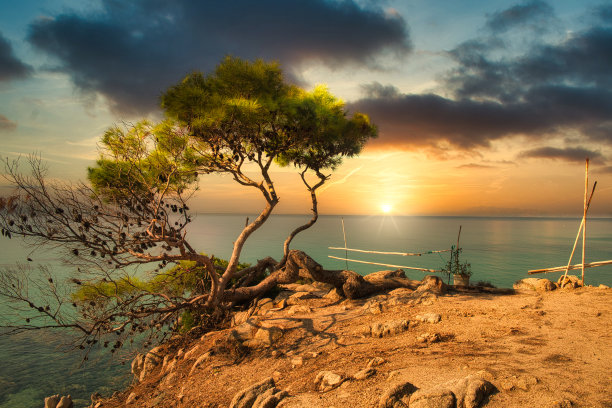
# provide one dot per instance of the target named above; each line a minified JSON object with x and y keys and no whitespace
{"x":538,"y":349}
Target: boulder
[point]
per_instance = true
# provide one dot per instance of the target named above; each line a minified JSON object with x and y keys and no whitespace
{"x":433,"y":284}
{"x":65,"y":402}
{"x":372,"y":307}
{"x":398,"y":396}
{"x":266,"y":336}
{"x":569,"y":282}
{"x":470,"y":391}
{"x":327,"y":381}
{"x":247,"y":397}
{"x":131,"y":398}
{"x":429,"y":338}
{"x":429,"y":318}
{"x":389,"y":328}
{"x":244,"y":331}
{"x":151,"y":360}
{"x":530,"y":284}
{"x":52,"y":401}
{"x":438,"y":397}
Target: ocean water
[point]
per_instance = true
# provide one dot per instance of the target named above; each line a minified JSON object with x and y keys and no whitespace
{"x":500,"y":250}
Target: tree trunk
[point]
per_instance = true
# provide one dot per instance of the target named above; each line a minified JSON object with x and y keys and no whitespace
{"x":348,"y":283}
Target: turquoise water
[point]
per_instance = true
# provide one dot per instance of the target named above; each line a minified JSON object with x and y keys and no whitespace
{"x":501,"y":250}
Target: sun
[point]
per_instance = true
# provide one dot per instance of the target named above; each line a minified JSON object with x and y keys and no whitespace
{"x":386,"y":208}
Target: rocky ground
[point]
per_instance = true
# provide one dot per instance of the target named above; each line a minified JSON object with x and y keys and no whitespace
{"x":431,"y":347}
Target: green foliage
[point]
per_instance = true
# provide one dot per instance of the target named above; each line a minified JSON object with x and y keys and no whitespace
{"x":143,"y":159}
{"x":180,"y":280}
{"x":455,"y":267}
{"x":244,"y":111}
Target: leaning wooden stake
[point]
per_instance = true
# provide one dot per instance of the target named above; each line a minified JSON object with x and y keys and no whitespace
{"x":584,"y":227}
{"x":346,"y":252}
{"x":579,"y":231}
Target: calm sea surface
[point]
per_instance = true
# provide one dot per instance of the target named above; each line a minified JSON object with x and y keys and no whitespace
{"x":500,"y":250}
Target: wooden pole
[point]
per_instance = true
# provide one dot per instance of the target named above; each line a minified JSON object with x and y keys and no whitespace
{"x":578,"y":235}
{"x":584,"y":227}
{"x":383,"y":264}
{"x":345,"y":246}
{"x":389,"y":253}
{"x":576,"y":266}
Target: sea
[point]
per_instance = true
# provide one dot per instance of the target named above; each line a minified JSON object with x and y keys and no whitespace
{"x":500,"y":251}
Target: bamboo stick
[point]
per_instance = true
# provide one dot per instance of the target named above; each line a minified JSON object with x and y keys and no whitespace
{"x":579,"y":230}
{"x":345,"y":245}
{"x":584,"y":227}
{"x":576,"y":266}
{"x":383,"y":264}
{"x":389,"y":253}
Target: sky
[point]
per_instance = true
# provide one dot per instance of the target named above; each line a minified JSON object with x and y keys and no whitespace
{"x":483,"y":107}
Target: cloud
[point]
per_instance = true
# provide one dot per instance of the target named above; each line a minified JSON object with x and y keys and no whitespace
{"x":475,"y":166}
{"x":10,"y":66}
{"x":131,"y":52}
{"x":6,"y":124}
{"x":534,"y":12}
{"x":571,"y":154}
{"x":550,"y":90}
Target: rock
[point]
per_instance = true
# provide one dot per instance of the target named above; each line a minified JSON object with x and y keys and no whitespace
{"x":244,"y":331}
{"x":389,"y":328}
{"x":401,"y":292}
{"x":297,"y":362}
{"x":372,"y":307}
{"x":263,"y":305}
{"x":281,"y":304}
{"x":526,"y":381}
{"x":65,"y":402}
{"x":137,"y":364}
{"x":299,"y":297}
{"x":429,"y":318}
{"x":131,"y":398}
{"x":539,"y":285}
{"x":327,"y":381}
{"x":470,"y":391}
{"x":376,"y":361}
{"x":334,"y":295}
{"x":569,"y":282}
{"x":247,"y":397}
{"x":199,"y":362}
{"x":270,"y":398}
{"x":365,"y":373}
{"x":265,"y":336}
{"x":429,"y":338}
{"x":240,"y":317}
{"x":602,"y":286}
{"x":398,"y":396}
{"x":433,"y":284}
{"x":151,"y":360}
{"x":52,"y":401}
{"x":298,"y":309}
{"x":433,"y":398}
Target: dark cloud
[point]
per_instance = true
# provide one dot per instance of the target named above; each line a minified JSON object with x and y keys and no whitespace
{"x":6,"y":124}
{"x":10,"y":66}
{"x":378,"y":90}
{"x":132,"y":51}
{"x":551,"y":90}
{"x":605,"y":170}
{"x":571,"y":154}
{"x":535,"y":13}
{"x":434,"y":121}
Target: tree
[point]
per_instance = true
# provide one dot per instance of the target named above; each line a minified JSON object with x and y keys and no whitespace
{"x":133,"y":210}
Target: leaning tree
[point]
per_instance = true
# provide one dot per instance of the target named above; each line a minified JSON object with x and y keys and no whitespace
{"x":240,"y":120}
